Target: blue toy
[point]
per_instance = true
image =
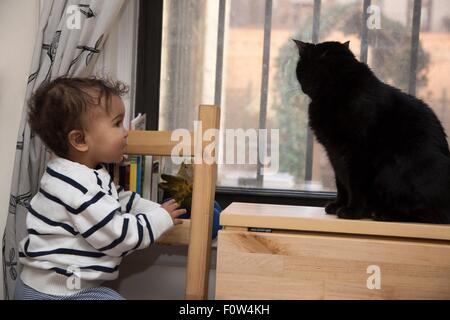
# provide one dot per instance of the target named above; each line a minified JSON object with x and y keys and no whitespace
{"x":216,"y":218}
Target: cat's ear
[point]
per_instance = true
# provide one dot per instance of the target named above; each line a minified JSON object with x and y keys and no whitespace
{"x":302,"y":46}
{"x":347,"y":44}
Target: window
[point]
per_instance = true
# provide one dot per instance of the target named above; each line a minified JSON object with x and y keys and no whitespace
{"x":239,"y":55}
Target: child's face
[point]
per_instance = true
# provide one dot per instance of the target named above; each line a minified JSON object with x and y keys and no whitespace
{"x":106,"y":136}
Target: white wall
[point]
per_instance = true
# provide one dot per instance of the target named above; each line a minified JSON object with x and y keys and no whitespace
{"x":18,"y":25}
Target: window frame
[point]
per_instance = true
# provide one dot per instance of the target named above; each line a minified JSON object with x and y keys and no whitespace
{"x":148,"y":76}
{"x":148,"y":64}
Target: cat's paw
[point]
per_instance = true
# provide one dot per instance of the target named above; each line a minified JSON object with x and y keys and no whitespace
{"x":348,"y":213}
{"x":333,"y":207}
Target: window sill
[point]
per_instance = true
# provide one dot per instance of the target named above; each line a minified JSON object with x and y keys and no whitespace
{"x":226,"y":195}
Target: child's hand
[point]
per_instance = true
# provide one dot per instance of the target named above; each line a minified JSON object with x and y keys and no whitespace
{"x":171,"y":207}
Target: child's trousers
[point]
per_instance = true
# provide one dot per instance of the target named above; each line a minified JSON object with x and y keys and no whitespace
{"x":24,"y":292}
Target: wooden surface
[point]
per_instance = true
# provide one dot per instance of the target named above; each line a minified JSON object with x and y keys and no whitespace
{"x":301,"y":218}
{"x":256,"y":265}
{"x":178,"y":235}
{"x":197,"y":273}
{"x":155,"y":143}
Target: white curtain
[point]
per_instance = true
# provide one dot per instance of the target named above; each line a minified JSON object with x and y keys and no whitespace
{"x":59,"y":50}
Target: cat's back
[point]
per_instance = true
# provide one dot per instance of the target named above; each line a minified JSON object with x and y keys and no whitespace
{"x":409,"y":121}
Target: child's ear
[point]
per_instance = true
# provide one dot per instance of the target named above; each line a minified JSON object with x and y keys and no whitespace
{"x":77,"y":140}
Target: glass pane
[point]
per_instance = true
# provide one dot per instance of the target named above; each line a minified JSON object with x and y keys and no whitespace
{"x":183,"y":65}
{"x":242,"y":83}
{"x":339,"y":21}
{"x":188,"y":59}
{"x":433,"y":76}
{"x":189,"y":71}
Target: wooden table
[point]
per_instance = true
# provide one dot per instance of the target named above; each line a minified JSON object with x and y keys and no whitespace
{"x":296,"y":252}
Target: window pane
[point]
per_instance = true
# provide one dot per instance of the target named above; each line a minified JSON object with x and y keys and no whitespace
{"x":338,"y":21}
{"x":183,"y":58}
{"x":187,"y":63}
{"x":433,"y":74}
{"x":189,"y":70}
{"x":242,"y":83}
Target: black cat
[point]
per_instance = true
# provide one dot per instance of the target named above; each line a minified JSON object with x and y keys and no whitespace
{"x":388,"y":149}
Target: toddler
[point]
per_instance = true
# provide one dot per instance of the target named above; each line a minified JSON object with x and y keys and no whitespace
{"x":79,"y":225}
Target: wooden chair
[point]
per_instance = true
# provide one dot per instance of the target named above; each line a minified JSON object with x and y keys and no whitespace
{"x":194,"y":232}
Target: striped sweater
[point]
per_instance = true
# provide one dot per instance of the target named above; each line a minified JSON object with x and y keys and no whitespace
{"x":80,"y":225}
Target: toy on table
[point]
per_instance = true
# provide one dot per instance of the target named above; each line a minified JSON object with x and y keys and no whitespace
{"x":179,"y":187}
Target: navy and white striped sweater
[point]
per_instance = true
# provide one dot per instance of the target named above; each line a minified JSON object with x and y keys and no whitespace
{"x":79,"y":223}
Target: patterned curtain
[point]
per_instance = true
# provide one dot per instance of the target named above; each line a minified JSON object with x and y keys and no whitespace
{"x":71,"y":35}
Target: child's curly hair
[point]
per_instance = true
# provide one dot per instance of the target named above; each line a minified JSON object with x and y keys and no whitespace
{"x":62,"y":105}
